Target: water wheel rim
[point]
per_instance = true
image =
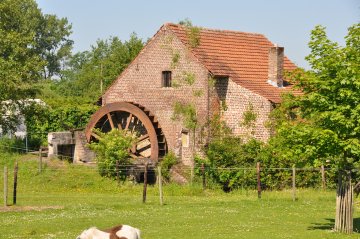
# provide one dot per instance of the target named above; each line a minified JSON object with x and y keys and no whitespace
{"x":135,"y":111}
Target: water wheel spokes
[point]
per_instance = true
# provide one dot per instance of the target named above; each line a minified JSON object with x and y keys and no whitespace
{"x":135,"y":119}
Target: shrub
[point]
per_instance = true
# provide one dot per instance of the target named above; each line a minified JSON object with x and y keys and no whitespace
{"x":111,"y":147}
{"x":231,"y":163}
{"x":13,"y":145}
{"x":167,"y":162}
{"x":226,"y":155}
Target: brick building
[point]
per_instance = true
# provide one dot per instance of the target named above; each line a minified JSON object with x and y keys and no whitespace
{"x":205,"y":67}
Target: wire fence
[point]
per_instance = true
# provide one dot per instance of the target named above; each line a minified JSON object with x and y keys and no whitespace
{"x":256,"y":178}
{"x":54,"y":174}
{"x":231,"y":177}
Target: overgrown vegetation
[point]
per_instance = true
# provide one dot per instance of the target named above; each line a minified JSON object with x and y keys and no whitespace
{"x":166,"y":163}
{"x":187,"y":113}
{"x":193,"y":33}
{"x":113,"y":147}
{"x":42,"y":119}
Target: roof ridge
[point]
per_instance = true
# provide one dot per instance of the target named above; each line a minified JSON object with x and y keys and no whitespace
{"x":216,"y":30}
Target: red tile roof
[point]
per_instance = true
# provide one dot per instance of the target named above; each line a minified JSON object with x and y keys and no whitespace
{"x":241,"y":56}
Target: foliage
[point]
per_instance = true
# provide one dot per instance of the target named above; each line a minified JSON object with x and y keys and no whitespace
{"x":189,"y":78}
{"x":225,"y":155}
{"x":13,"y":145}
{"x":249,"y":117}
{"x":175,"y":59}
{"x":53,"y":44}
{"x":186,"y":112}
{"x":111,"y":147}
{"x":89,"y":73}
{"x":32,"y":45}
{"x":70,"y":100}
{"x":40,"y":120}
{"x":193,"y":33}
{"x":323,"y":123}
{"x":230,"y":162}
{"x":167,"y":162}
{"x":216,"y":128}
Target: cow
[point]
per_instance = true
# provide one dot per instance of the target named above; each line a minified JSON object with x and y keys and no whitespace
{"x":117,"y":232}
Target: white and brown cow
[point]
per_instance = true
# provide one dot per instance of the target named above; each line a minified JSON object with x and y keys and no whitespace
{"x":118,"y":232}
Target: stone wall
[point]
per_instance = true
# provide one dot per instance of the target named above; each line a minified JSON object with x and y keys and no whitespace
{"x":60,"y":144}
{"x":82,"y":153}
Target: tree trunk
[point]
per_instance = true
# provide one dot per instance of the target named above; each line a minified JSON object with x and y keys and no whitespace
{"x":344,"y":204}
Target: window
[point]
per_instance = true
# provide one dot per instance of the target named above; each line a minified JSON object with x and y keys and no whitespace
{"x":166,"y":79}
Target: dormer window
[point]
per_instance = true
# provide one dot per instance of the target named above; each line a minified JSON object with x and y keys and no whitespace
{"x":166,"y":79}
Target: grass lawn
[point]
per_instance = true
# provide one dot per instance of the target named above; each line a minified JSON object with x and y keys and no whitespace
{"x":65,"y":199}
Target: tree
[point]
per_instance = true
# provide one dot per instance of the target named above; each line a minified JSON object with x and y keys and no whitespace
{"x":89,"y":73}
{"x":30,"y":42}
{"x":53,"y":44}
{"x":324,"y":122}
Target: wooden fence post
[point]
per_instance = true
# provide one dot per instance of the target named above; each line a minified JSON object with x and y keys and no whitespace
{"x":191,"y":175}
{"x":15,"y":182}
{"x":160,"y":186}
{"x":145,"y":182}
{"x":293,"y":183}
{"x":258,"y":179}
{"x":40,"y":160}
{"x":5,"y":186}
{"x":323,"y":180}
{"x":203,"y":176}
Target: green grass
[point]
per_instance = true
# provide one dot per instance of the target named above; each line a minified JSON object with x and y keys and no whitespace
{"x":65,"y":199}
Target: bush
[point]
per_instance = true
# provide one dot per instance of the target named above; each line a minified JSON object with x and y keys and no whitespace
{"x":231,"y":163}
{"x":40,"y":120}
{"x":111,"y":147}
{"x":225,"y":156}
{"x":167,"y":162}
{"x":13,"y":145}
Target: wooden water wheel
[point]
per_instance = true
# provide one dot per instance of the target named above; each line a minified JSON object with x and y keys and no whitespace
{"x":151,"y":143}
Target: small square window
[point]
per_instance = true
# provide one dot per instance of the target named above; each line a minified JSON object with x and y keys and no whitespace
{"x":166,"y":79}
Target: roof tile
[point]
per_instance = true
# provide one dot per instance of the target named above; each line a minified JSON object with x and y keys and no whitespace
{"x":241,"y":56}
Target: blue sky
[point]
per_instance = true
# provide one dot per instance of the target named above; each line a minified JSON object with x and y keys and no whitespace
{"x":285,"y":22}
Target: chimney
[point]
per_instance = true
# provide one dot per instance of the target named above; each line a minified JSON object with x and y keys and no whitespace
{"x":276,"y":66}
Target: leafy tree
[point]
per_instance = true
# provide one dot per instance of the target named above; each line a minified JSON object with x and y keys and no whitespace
{"x":20,"y":65}
{"x":89,"y":73}
{"x":324,"y":123}
{"x":30,"y":42}
{"x":53,"y":44}
{"x":113,"y":146}
{"x":42,"y":119}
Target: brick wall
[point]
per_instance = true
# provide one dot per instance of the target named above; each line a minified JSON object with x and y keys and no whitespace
{"x":238,"y":100}
{"x":141,"y":83}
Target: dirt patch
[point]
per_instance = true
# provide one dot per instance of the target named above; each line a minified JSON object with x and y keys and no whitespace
{"x":28,"y":208}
